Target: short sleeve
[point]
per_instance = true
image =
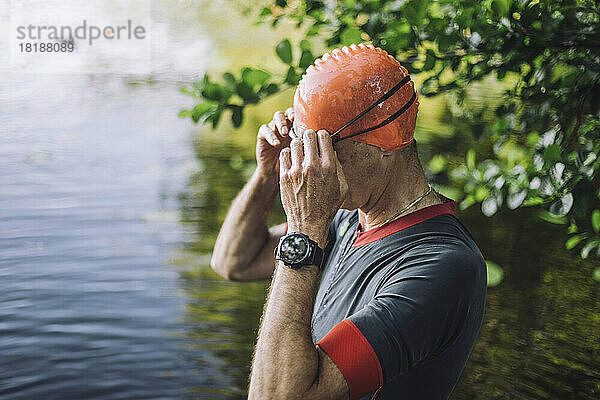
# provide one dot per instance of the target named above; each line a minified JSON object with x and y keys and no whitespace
{"x":419,"y":310}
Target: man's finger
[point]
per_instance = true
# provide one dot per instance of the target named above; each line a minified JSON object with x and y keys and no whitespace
{"x":268,"y":133}
{"x":281,"y":123}
{"x":328,"y":155}
{"x":285,"y":161}
{"x":296,"y":154}
{"x":311,"y":152}
{"x":289,"y":113}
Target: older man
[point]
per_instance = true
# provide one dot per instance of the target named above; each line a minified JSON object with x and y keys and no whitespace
{"x":377,"y":289}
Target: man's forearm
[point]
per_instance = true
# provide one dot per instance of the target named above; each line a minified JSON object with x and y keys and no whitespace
{"x":245,"y":229}
{"x":286,"y":361}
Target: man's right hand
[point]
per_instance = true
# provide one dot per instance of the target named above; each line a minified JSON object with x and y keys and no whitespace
{"x":271,"y":139}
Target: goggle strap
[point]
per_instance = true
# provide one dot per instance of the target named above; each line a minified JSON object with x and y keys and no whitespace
{"x":381,"y":100}
{"x":385,"y":122}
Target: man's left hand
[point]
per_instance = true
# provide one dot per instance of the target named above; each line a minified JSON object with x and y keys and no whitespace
{"x":312,"y":184}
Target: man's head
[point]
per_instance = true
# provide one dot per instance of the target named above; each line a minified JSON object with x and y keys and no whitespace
{"x":336,"y":89}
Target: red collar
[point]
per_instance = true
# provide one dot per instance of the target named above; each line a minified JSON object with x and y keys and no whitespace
{"x":372,"y":235}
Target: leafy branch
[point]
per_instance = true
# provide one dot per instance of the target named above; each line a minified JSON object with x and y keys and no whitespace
{"x":250,"y":87}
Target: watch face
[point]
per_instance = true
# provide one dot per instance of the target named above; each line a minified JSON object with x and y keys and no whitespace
{"x":293,"y":249}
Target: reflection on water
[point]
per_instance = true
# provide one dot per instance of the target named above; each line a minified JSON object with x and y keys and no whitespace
{"x":541,"y":334}
{"x":88,"y":304}
{"x":223,"y":315}
{"x":90,"y":170}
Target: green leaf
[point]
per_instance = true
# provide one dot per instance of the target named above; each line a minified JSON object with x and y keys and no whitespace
{"x":414,"y":11}
{"x":430,"y":60}
{"x":470,"y":159}
{"x":494,"y":273}
{"x":500,"y":7}
{"x":254,"y":77}
{"x":230,"y":81}
{"x":215,"y":116}
{"x":533,"y":139}
{"x":305,"y":45}
{"x":200,"y":110}
{"x":189,"y":92}
{"x":265,"y":11}
{"x":216,"y":92}
{"x":247,"y":93}
{"x":551,"y":154}
{"x":350,"y":35}
{"x":515,"y":198}
{"x":437,"y":164}
{"x":552,"y":218}
{"x":574,"y":241}
{"x":185,"y":113}
{"x":589,"y":246}
{"x":534,"y":201}
{"x":596,"y":220}
{"x":306,"y":59}
{"x":481,"y":192}
{"x":291,"y":77}
{"x":269,"y":89}
{"x":489,"y":206}
{"x":596,"y":274}
{"x":467,"y":202}
{"x":237,"y":116}
{"x":562,"y":206}
{"x":284,"y":51}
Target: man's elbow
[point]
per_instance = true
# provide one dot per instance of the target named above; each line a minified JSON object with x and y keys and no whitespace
{"x":221,"y":268}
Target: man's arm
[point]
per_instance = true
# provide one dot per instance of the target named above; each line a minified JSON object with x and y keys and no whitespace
{"x":287,"y":364}
{"x":244,"y":248}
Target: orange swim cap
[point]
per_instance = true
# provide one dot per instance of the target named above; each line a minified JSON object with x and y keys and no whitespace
{"x":343,"y":83}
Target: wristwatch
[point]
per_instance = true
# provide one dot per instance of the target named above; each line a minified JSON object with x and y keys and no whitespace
{"x":296,"y":249}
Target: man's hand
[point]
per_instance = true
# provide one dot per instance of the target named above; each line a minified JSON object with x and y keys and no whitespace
{"x":312,"y":184}
{"x":271,"y":138}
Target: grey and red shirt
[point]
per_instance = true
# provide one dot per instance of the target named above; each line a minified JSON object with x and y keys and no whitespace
{"x":399,"y":307}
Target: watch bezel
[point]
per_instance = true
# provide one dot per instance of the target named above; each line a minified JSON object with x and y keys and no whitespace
{"x":307,"y":256}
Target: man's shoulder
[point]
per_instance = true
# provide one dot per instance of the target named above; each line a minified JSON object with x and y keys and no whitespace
{"x":451,"y":259}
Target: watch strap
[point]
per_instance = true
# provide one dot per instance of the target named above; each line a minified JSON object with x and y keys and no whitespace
{"x":318,"y":254}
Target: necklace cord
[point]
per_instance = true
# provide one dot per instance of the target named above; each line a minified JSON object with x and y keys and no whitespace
{"x":413,"y":203}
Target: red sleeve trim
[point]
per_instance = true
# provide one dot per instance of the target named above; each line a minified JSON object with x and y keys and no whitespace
{"x":354,"y":356}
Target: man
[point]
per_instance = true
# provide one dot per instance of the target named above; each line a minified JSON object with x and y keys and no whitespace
{"x":378,"y":290}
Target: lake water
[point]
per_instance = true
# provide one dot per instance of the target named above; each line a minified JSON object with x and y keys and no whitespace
{"x":109,"y":205}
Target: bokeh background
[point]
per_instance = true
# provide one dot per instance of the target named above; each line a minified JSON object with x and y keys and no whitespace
{"x":110,"y":204}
